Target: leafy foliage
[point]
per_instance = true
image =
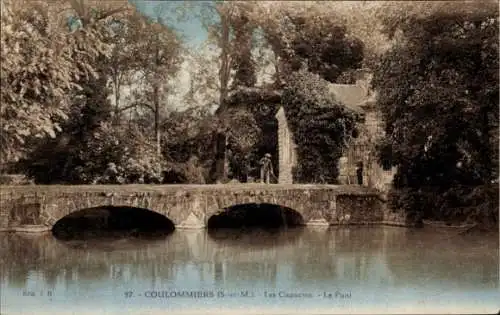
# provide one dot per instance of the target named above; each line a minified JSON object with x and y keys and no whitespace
{"x":438,"y":90}
{"x":320,"y":125}
{"x":243,"y":63}
{"x":87,"y":161}
{"x":302,"y":34}
{"x":89,"y":132}
{"x":42,"y":60}
{"x":259,"y":106}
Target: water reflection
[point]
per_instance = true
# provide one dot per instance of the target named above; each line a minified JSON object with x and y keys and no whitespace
{"x":257,"y":238}
{"x":460,"y":260}
{"x":313,"y":254}
{"x":359,"y":258}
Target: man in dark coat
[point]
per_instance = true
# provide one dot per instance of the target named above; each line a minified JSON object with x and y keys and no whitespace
{"x":266,"y":168}
{"x":111,"y":174}
{"x":359,"y":173}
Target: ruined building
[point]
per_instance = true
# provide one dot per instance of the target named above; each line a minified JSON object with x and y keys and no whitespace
{"x":357,"y":97}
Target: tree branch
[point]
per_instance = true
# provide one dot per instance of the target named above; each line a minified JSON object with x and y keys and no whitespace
{"x":135,"y":105}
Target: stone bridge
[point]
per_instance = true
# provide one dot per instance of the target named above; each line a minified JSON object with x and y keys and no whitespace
{"x":191,"y":206}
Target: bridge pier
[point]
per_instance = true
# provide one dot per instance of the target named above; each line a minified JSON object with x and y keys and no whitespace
{"x":192,"y":222}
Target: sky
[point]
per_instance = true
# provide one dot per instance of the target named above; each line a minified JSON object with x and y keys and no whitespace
{"x":191,"y":27}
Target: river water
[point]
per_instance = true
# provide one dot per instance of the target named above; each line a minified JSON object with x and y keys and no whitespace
{"x":302,"y":270}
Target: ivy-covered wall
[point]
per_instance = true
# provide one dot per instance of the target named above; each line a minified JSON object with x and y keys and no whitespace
{"x":320,"y":125}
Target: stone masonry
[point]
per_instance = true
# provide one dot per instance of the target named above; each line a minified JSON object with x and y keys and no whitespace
{"x":190,"y":206}
{"x":287,"y":153}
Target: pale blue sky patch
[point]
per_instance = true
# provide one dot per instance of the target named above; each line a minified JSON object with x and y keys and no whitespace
{"x":189,"y":24}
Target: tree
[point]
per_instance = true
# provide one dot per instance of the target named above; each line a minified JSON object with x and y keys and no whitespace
{"x":87,"y":142}
{"x":243,"y":63}
{"x":204,"y":87}
{"x":302,"y":34}
{"x":363,"y":20}
{"x":438,"y":90}
{"x":230,"y":31}
{"x":219,"y":31}
{"x":123,"y":64}
{"x":160,"y":51}
{"x":41,"y":62}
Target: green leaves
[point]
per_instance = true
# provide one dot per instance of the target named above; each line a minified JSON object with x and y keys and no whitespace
{"x":41,"y":63}
{"x":48,"y":70}
{"x":436,"y":82}
{"x":320,"y":125}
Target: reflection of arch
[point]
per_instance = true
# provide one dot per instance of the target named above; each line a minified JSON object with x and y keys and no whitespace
{"x":255,"y":214}
{"x":111,"y":218}
{"x":269,"y":239}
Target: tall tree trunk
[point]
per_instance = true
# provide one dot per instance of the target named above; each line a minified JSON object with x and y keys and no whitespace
{"x":224,"y":73}
{"x":486,"y":152}
{"x":225,"y":56}
{"x":156,"y":101}
{"x":242,"y":61}
{"x":277,"y":73}
{"x":117,"y":98}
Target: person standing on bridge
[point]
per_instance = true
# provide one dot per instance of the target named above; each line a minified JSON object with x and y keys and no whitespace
{"x":111,"y":174}
{"x":266,"y":169}
{"x":359,"y":173}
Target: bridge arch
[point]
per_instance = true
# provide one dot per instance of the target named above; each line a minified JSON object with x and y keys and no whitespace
{"x":253,"y":214}
{"x":109,"y":220}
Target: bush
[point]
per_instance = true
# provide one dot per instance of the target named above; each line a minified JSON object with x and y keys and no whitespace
{"x":85,"y":161}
